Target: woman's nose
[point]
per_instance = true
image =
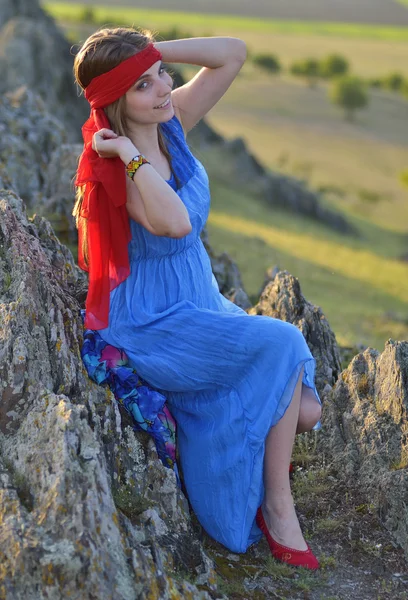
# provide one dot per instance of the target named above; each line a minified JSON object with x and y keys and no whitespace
{"x":164,"y":91}
{"x":167,"y":84}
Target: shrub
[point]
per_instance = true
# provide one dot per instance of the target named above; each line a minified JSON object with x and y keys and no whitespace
{"x":308,"y":68}
{"x":87,"y":15}
{"x":333,"y":65}
{"x":404,"y":88}
{"x":350,"y":94}
{"x":267,"y":62}
{"x":174,"y":33}
{"x":394,"y":81}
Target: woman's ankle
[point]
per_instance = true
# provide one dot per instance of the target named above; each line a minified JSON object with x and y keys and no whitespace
{"x":284,"y":526}
{"x":281,"y":507}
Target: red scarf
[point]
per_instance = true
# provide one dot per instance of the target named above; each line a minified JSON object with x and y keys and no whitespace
{"x":104,"y":201}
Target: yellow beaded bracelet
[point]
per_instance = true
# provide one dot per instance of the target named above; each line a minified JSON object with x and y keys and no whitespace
{"x":135,"y":163}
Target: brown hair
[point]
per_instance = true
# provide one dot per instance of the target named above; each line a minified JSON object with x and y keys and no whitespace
{"x":102,"y":51}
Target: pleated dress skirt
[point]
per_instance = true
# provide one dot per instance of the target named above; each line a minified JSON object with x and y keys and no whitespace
{"x":228,"y":376}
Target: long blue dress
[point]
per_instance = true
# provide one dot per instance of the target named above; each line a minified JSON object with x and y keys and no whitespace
{"x":227,"y":376}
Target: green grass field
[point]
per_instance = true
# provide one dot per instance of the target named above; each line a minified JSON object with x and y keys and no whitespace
{"x":360,"y":284}
{"x":361,"y":288}
{"x":347,"y":11}
{"x":65,"y":11}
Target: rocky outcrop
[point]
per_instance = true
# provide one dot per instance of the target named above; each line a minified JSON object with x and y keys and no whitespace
{"x":34,"y":53}
{"x":58,"y":196}
{"x":30,"y":135}
{"x":87,"y":509}
{"x":282,"y":299}
{"x":227,"y":275}
{"x":19,"y":8}
{"x":365,"y":432}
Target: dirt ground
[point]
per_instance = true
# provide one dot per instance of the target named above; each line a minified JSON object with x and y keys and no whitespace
{"x":358,"y":558}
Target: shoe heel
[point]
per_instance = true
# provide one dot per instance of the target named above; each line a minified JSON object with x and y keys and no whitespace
{"x":296,"y":558}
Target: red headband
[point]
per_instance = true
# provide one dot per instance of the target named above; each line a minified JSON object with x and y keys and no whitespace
{"x":104,"y":201}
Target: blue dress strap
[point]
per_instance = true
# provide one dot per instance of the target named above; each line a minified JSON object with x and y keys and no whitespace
{"x":183,"y":162}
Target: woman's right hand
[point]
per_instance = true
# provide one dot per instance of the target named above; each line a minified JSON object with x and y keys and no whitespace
{"x":109,"y":144}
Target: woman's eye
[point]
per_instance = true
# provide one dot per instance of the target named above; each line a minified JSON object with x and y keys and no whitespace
{"x":161,"y":70}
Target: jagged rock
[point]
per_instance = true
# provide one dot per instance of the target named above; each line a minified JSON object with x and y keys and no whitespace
{"x":59,"y":190}
{"x":33,"y":52}
{"x":21,"y":8}
{"x":282,"y":299}
{"x":68,"y":470}
{"x":365,"y":432}
{"x":269,"y":276}
{"x":226,"y":272}
{"x":239,"y":297}
{"x":29,"y":135}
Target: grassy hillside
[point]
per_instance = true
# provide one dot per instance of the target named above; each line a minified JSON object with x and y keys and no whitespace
{"x":352,"y":11}
{"x":214,"y":23}
{"x":293,"y":128}
{"x":359,"y":283}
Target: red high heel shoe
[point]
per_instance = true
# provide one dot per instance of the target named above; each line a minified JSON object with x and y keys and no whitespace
{"x":297,"y":558}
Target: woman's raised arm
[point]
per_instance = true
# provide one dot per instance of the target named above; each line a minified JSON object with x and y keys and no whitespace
{"x":221,"y":59}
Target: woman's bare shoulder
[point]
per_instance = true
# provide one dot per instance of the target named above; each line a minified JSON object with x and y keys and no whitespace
{"x":178,"y":115}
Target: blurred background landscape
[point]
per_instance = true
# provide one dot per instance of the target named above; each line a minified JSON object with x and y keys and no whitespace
{"x":323,"y":98}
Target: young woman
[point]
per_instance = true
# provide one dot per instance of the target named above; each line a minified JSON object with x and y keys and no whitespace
{"x":239,"y":386}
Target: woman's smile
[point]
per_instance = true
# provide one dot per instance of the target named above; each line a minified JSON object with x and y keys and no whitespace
{"x":165,"y":104}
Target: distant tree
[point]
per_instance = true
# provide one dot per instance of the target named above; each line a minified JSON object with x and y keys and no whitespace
{"x":87,"y":15}
{"x":394,"y":81}
{"x":267,"y":62}
{"x":308,"y":68}
{"x":404,"y":89}
{"x":350,"y":94}
{"x":333,"y":65}
{"x":174,"y":33}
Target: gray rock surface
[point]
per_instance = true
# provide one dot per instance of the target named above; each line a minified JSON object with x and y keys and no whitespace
{"x":19,"y":8}
{"x":29,"y":135}
{"x":87,"y":509}
{"x":282,"y":299}
{"x":59,"y":190}
{"x":34,"y":52}
{"x":365,"y":432}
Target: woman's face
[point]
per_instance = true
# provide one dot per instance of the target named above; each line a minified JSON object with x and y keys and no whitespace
{"x":152,"y":89}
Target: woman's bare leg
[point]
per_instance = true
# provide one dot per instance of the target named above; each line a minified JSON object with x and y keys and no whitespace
{"x":310,"y":410}
{"x":278,"y":509}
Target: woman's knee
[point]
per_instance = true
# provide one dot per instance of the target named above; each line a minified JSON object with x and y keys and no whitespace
{"x":315,"y":412}
{"x":310,"y":410}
